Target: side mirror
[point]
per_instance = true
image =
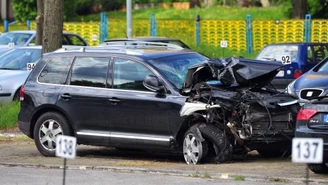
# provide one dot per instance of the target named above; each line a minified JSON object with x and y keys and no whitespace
{"x":152,"y":83}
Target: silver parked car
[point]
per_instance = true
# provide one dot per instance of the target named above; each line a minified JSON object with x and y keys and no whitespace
{"x":15,"y":66}
{"x":27,"y":38}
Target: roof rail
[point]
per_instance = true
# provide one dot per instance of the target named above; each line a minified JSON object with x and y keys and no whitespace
{"x":140,"y":45}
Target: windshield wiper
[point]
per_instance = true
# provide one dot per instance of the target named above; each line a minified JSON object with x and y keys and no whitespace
{"x":267,"y":58}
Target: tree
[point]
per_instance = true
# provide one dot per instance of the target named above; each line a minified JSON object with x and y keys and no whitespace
{"x":24,"y":9}
{"x":300,"y":8}
{"x":39,"y":22}
{"x":53,"y":25}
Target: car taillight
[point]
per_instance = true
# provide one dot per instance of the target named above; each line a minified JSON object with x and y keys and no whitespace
{"x":21,"y":93}
{"x":297,"y":73}
{"x":306,"y":114}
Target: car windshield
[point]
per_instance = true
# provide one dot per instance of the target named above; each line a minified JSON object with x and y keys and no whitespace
{"x":175,"y":68}
{"x":322,"y":66}
{"x":17,"y":59}
{"x":19,"y":39}
{"x":276,"y":52}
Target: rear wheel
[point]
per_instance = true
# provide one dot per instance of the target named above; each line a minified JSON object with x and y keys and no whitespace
{"x":47,"y":128}
{"x":319,"y":168}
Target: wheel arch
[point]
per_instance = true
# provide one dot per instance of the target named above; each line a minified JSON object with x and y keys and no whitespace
{"x":190,"y":120}
{"x":48,"y":108}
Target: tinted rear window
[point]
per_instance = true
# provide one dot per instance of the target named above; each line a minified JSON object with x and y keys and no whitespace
{"x":56,"y":70}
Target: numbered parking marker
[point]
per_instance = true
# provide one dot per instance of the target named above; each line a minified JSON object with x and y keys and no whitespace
{"x":286,"y":60}
{"x":224,"y":43}
{"x":307,"y":150}
{"x":11,"y":45}
{"x":66,"y":147}
{"x":94,"y":37}
{"x":30,"y":66}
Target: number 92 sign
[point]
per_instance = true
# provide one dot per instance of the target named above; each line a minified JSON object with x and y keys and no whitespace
{"x":307,"y":150}
{"x":66,"y":147}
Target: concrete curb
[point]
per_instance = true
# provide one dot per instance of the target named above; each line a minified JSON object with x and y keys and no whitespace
{"x":195,"y":174}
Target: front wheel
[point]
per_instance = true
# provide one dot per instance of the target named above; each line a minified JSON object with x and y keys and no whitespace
{"x":192,"y":148}
{"x":47,"y":128}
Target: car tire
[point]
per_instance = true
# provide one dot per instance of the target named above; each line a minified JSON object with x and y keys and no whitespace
{"x":16,"y":96}
{"x":319,"y":168}
{"x":274,"y":152}
{"x":193,"y":148}
{"x":47,"y":128}
{"x":219,"y":147}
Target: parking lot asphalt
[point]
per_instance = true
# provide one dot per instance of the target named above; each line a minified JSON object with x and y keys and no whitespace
{"x":20,"y":151}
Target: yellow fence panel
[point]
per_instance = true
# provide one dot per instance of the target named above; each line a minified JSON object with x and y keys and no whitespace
{"x":117,"y":28}
{"x":214,"y":31}
{"x":211,"y":31}
{"x":181,"y":29}
{"x":319,"y":31}
{"x":267,"y":32}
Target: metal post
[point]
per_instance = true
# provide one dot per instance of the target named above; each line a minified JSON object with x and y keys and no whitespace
{"x":307,"y":28}
{"x":64,"y":175}
{"x":197,"y":30}
{"x":28,"y":24}
{"x":249,"y":34}
{"x":129,"y":18}
{"x":5,"y":25}
{"x":103,"y":27}
{"x":152,"y":25}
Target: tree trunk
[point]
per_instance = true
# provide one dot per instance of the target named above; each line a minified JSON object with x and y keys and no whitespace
{"x":39,"y":22}
{"x":265,"y":3}
{"x":300,"y":8}
{"x":53,"y":25}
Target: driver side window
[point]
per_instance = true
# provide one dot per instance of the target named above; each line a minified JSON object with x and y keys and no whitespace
{"x":129,"y":75}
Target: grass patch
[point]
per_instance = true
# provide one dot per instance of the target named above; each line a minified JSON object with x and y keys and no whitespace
{"x":278,"y":180}
{"x":218,"y":52}
{"x":215,"y":12}
{"x":195,"y":174}
{"x":14,"y":139}
{"x":9,"y":115}
{"x":239,"y":178}
{"x":206,"y":175}
{"x":134,"y":163}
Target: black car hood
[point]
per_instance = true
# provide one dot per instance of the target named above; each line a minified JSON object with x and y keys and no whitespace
{"x":232,"y":71}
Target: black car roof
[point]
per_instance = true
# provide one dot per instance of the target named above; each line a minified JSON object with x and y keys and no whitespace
{"x":145,"y":54}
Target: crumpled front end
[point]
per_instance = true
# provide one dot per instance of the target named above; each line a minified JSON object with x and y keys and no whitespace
{"x":250,"y":116}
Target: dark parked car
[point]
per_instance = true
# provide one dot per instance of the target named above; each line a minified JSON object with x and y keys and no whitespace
{"x":311,"y":84}
{"x":148,"y":39}
{"x":298,"y":59}
{"x":148,"y":99}
{"x":312,"y":122}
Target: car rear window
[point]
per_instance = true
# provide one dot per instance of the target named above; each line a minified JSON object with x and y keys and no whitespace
{"x":276,"y":52}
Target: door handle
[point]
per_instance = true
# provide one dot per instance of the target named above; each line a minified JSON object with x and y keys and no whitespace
{"x":114,"y":101}
{"x":66,"y":96}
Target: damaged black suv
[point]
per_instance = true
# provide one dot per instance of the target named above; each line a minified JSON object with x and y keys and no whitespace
{"x":148,"y":99}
